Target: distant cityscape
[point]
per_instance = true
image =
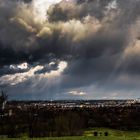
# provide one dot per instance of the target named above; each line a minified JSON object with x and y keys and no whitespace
{"x":69,"y":104}
{"x":76,"y":103}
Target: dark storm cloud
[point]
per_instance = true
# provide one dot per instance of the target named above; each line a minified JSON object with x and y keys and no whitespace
{"x":85,"y":72}
{"x":19,"y":40}
{"x":130,"y":10}
{"x":94,"y":37}
{"x":63,"y":11}
{"x":25,"y":45}
{"x":66,"y":10}
{"x":48,"y":68}
{"x":9,"y":70}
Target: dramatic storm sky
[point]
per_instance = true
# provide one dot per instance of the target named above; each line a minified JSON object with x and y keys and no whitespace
{"x":70,"y":49}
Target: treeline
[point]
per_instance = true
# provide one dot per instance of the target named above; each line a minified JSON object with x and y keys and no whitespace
{"x":48,"y":122}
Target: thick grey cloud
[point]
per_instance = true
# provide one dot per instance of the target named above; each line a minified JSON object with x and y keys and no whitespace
{"x":21,"y":39}
{"x":99,"y":41}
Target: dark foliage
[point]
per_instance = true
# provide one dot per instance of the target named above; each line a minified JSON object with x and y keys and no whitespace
{"x":36,"y":121}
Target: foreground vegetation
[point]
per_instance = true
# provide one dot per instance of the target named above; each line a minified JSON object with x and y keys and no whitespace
{"x":89,"y":135}
{"x":24,"y":121}
{"x":57,"y":122}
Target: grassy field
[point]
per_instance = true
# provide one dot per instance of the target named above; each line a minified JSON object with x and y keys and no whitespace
{"x":88,"y":135}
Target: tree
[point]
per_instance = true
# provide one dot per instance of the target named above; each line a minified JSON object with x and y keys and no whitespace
{"x":3,"y":99}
